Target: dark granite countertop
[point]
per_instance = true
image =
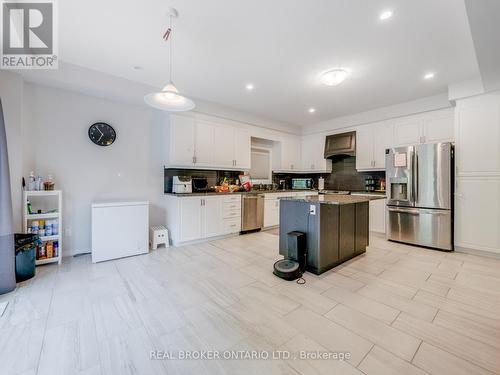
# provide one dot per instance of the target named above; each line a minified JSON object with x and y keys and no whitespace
{"x":240,"y":192}
{"x":335,"y":199}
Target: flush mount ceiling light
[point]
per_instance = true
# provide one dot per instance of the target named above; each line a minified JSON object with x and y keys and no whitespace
{"x":311,"y":110}
{"x":334,"y":77}
{"x":169,"y":99}
{"x":429,"y":75}
{"x":385,"y":15}
{"x":250,"y":87}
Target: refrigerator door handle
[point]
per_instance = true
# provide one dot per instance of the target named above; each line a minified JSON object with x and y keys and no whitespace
{"x":416,"y":180}
{"x":404,"y":211}
{"x":435,"y":212}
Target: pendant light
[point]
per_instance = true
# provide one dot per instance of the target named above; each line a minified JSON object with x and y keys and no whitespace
{"x":169,"y":99}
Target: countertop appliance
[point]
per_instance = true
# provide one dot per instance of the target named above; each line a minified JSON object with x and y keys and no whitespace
{"x":252,"y":212}
{"x":182,"y":184}
{"x":340,"y":144}
{"x":199,"y":184}
{"x":302,"y":183}
{"x":321,"y":183}
{"x":419,"y":195}
{"x":119,"y":229}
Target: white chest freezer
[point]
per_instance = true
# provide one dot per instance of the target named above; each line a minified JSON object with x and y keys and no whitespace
{"x":119,"y":229}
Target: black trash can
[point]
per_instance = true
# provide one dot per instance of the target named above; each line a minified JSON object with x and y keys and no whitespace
{"x":25,"y":255}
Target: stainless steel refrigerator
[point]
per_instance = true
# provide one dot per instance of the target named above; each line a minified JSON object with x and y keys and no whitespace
{"x":420,"y":195}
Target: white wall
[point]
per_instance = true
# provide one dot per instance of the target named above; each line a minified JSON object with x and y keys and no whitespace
{"x":57,"y":122}
{"x":11,"y":93}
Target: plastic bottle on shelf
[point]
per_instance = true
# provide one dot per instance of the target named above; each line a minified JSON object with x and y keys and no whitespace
{"x":56,"y":249}
{"x":31,"y":181}
{"x":49,"y":249}
{"x":39,"y":183}
{"x":48,"y":227}
{"x":55,"y":227}
{"x":34,"y":227}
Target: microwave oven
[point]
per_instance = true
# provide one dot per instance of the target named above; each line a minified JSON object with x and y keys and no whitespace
{"x":302,"y":183}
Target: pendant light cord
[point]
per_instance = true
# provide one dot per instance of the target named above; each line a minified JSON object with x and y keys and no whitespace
{"x":170,"y":57}
{"x":168,"y":38}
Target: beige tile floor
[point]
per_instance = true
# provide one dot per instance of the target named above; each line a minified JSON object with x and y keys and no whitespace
{"x":396,"y":310}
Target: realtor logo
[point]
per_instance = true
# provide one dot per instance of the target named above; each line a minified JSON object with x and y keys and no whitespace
{"x":29,"y":39}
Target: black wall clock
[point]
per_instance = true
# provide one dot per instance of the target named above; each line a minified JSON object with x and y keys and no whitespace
{"x":102,"y":134}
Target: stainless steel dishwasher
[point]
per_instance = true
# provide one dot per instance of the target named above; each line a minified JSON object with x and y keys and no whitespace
{"x":252,"y":212}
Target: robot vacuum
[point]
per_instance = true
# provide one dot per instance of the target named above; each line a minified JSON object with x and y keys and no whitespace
{"x":287,"y":269}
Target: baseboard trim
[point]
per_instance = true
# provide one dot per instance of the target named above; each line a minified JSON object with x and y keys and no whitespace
{"x":483,"y":253}
{"x":202,"y":240}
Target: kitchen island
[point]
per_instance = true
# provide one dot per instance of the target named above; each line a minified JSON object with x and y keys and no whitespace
{"x":336,"y":227}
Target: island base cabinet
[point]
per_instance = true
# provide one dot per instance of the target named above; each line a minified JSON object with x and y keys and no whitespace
{"x":334,"y":233}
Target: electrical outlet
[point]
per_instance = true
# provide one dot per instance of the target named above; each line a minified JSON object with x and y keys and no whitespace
{"x":67,"y":232}
{"x":312,"y":209}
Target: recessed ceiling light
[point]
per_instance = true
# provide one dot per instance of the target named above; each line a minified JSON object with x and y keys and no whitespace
{"x":385,"y":15}
{"x":250,"y":87}
{"x":429,"y":75}
{"x":334,"y":77}
{"x":311,"y":110}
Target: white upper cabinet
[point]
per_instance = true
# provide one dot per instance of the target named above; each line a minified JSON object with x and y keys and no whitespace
{"x":364,"y":148}
{"x":371,"y":142}
{"x":383,"y":138}
{"x":242,"y":149}
{"x":439,"y":129}
{"x":312,"y":154}
{"x":223,"y":146}
{"x":431,"y":127}
{"x":290,"y":153}
{"x":204,"y":142}
{"x":408,"y":132}
{"x":198,"y":143}
{"x":181,"y":141}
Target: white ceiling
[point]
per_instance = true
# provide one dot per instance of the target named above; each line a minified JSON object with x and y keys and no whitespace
{"x":280,"y":46}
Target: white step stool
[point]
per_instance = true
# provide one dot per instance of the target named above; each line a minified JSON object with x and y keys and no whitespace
{"x":158,"y":235}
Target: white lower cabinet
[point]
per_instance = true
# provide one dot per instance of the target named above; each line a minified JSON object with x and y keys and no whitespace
{"x":271,"y":212}
{"x":477,"y":219}
{"x":190,"y":218}
{"x":199,"y":217}
{"x":212,"y":216}
{"x":272,"y":205}
{"x":377,"y":215}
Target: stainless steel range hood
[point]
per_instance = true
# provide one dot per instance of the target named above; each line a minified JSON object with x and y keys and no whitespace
{"x":340,"y":144}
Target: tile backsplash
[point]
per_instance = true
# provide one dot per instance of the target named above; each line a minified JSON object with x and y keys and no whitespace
{"x":213,"y":177}
{"x":344,"y":175}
